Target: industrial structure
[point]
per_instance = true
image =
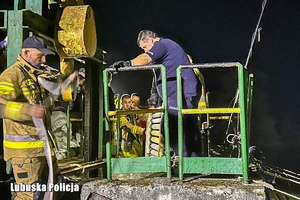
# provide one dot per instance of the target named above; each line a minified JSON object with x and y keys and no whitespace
{"x":222,"y":171}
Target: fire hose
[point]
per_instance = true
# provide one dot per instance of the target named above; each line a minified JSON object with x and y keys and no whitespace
{"x":43,"y":136}
{"x":55,"y":89}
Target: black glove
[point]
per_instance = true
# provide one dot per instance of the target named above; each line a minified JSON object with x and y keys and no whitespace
{"x":119,"y":64}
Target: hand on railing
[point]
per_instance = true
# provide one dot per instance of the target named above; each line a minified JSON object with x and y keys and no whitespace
{"x":119,"y":64}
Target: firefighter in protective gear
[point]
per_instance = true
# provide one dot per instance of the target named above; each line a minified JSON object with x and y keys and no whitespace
{"x":21,"y":98}
{"x":131,"y":145}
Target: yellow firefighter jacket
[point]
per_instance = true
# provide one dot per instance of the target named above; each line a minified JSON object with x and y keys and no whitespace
{"x":18,"y":90}
{"x":130,"y":128}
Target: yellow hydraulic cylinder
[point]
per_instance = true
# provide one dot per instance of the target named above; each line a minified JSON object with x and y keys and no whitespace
{"x":78,"y":31}
{"x":75,"y":36}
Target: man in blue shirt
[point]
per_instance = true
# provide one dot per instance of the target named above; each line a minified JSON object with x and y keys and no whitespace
{"x":171,"y":55}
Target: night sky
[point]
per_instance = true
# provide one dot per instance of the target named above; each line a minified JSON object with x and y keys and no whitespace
{"x":220,"y":31}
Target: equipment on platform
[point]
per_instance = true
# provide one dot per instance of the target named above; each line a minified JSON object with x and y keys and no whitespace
{"x":154,"y":144}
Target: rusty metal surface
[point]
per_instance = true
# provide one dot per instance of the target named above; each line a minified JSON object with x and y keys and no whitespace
{"x":78,"y":31}
{"x":76,"y":165}
{"x":65,"y":3}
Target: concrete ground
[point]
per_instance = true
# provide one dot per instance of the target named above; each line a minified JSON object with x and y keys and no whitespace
{"x":162,"y":188}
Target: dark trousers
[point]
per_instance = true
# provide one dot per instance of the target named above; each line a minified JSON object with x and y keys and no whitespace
{"x":191,"y":142}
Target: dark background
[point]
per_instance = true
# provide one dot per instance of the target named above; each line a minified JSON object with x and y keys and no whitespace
{"x":219,"y":31}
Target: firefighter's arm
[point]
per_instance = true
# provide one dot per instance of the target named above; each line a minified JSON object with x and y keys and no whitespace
{"x":20,"y":111}
{"x":134,"y":129}
{"x":142,"y":59}
{"x":9,"y":108}
{"x":10,"y":90}
{"x":142,"y":117}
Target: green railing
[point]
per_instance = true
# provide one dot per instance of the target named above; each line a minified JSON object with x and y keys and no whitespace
{"x":186,"y":165}
{"x":139,"y":164}
{"x":214,"y":165}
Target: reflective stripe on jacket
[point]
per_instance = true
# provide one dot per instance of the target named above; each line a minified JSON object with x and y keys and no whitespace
{"x":22,"y":141}
{"x":20,"y":134}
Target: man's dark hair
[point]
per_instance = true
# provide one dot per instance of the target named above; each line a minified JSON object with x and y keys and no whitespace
{"x":144,"y":35}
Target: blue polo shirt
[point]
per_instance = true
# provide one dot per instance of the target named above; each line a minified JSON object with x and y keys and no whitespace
{"x":171,"y":55}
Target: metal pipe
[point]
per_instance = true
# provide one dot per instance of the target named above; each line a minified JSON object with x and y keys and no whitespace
{"x":211,"y":111}
{"x":74,"y":168}
{"x":166,"y":119}
{"x":255,"y":33}
{"x":213,"y":65}
{"x":180,"y":121}
{"x":285,"y":193}
{"x":81,"y":126}
{"x":123,"y":69}
{"x":106,"y":99}
{"x":19,"y":4}
{"x":207,"y":125}
{"x":249,"y":106}
{"x":118,"y":125}
{"x":280,"y":170}
{"x":243,"y":124}
{"x":125,"y":112}
{"x":101,"y":132}
{"x":278,"y":176}
{"x":107,"y":127}
{"x":68,"y":130}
